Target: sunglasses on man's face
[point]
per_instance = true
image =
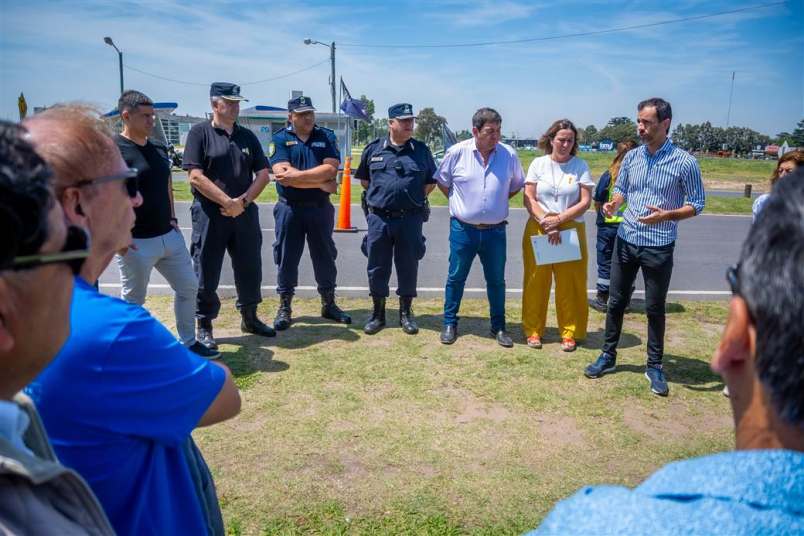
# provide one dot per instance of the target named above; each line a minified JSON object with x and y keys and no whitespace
{"x":73,"y":253}
{"x":129,"y":176}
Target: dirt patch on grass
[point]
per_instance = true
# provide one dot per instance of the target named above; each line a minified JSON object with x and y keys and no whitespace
{"x":672,"y":422}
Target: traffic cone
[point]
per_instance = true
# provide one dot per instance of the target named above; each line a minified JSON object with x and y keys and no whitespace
{"x":345,"y":209}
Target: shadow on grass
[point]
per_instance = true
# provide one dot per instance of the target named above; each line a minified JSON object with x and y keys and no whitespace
{"x":249,"y":357}
{"x":692,"y":373}
{"x":309,"y":330}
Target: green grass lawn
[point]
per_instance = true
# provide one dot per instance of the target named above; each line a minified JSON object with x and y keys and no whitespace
{"x":714,"y":205}
{"x":344,"y":433}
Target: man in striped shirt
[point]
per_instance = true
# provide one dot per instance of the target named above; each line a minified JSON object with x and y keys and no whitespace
{"x":662,"y":185}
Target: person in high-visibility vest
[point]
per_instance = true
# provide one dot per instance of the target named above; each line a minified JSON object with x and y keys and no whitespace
{"x":607,"y":226}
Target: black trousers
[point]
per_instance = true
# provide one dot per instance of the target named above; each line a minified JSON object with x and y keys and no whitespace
{"x":241,"y":237}
{"x":657,"y":267}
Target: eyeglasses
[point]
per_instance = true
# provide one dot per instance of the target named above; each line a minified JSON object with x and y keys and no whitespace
{"x":130,"y":176}
{"x":73,"y":253}
{"x":733,"y":278}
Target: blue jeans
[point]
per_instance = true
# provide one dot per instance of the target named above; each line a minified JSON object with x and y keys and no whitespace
{"x":466,"y":242}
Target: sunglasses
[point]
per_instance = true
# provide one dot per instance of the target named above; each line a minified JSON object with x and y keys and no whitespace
{"x":129,"y":176}
{"x":73,"y":253}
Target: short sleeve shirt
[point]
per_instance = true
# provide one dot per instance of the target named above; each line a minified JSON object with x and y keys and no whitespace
{"x":153,"y":164}
{"x":396,"y":175}
{"x":119,"y":403}
{"x":302,"y":155}
{"x":230,"y":161}
{"x":558,"y":185}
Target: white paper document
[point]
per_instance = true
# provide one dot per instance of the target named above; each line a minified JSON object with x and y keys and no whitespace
{"x":568,"y":250}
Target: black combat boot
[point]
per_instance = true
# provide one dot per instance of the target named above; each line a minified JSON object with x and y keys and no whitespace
{"x":377,"y":320}
{"x":203,"y":334}
{"x":251,"y":324}
{"x":282,"y":318}
{"x":601,"y":302}
{"x":330,"y":310}
{"x":406,"y":319}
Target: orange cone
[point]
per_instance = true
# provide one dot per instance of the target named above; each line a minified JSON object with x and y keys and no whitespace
{"x":345,"y":209}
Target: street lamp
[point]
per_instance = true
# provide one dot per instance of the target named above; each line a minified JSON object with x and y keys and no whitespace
{"x":331,"y":47}
{"x":108,"y":41}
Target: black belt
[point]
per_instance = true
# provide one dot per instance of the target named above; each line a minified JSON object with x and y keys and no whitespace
{"x":483,"y":226}
{"x":383,"y":213}
{"x":303,"y":204}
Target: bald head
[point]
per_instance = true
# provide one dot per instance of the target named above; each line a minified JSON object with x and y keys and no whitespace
{"x":75,"y":142}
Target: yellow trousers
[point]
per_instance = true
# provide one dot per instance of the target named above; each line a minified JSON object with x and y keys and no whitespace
{"x":571,"y":308}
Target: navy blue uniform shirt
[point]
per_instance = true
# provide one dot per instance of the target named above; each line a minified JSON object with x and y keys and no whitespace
{"x":396,"y":175}
{"x":303,"y":155}
{"x":230,"y":161}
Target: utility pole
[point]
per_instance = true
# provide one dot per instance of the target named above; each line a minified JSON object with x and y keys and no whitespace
{"x":731,"y":93}
{"x":331,"y":47}
{"x":108,"y":41}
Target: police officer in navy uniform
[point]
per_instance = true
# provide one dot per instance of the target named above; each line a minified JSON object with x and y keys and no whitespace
{"x":397,"y":173}
{"x":305,"y":162}
{"x":227,"y":171}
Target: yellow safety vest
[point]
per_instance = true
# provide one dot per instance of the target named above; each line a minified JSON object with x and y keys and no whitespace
{"x":618,"y":217}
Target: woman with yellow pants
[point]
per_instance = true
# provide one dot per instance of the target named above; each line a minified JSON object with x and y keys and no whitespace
{"x":557,"y":193}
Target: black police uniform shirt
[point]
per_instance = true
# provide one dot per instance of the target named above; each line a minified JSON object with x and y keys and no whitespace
{"x":153,"y":164}
{"x":227,"y":160}
{"x":396,"y":175}
{"x":302,"y":155}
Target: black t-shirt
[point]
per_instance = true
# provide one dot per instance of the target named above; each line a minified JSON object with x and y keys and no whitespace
{"x":153,"y":164}
{"x":227,"y":160}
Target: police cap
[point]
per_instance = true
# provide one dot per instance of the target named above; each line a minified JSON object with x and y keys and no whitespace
{"x":301,"y":104}
{"x":226,"y":90}
{"x":400,"y":111}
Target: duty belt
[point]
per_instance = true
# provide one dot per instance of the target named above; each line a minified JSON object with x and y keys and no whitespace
{"x":303,"y":204}
{"x":383,"y":213}
{"x":483,"y":226}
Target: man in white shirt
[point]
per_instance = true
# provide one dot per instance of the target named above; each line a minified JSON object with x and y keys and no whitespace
{"x":478,"y":176}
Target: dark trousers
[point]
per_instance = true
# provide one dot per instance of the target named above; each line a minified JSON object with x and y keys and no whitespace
{"x":294,"y":224}
{"x":606,"y":235}
{"x":397,"y":239}
{"x":214,"y":235}
{"x":657,"y":267}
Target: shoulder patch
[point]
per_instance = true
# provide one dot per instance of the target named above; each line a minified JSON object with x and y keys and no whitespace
{"x":271,"y":150}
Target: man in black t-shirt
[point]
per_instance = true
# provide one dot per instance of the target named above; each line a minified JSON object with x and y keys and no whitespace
{"x":158,"y":242}
{"x":228,"y":170}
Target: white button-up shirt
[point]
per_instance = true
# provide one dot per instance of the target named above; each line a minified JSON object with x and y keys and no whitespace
{"x":478,"y":192}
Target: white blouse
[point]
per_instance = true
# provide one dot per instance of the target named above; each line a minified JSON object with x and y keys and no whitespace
{"x":558,"y":186}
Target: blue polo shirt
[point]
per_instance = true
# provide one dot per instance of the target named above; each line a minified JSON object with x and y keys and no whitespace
{"x":119,"y":403}
{"x":741,"y":492}
{"x":302,"y":155}
{"x":396,"y":175}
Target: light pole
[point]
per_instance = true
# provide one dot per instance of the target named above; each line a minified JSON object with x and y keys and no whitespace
{"x":108,"y":41}
{"x":331,"y":47}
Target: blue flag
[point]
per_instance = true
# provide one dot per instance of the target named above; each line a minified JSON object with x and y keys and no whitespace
{"x":351,"y":107}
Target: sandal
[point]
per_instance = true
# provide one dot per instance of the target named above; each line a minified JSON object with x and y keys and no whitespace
{"x":568,"y":344}
{"x":534,"y":341}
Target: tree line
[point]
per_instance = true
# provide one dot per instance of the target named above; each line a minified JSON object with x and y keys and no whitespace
{"x":703,"y":137}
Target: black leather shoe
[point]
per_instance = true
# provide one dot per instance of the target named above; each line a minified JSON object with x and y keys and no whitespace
{"x":251,"y":324}
{"x":377,"y":320}
{"x":503,"y":339}
{"x":331,"y":311}
{"x":406,"y":319}
{"x":202,"y":351}
{"x":449,"y":334}
{"x":283,"y":314}
{"x":600,"y":303}
{"x":203,"y":334}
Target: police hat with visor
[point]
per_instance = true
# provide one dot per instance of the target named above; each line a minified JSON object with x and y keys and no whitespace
{"x":401,"y":111}
{"x":301,"y":104}
{"x":226,"y":90}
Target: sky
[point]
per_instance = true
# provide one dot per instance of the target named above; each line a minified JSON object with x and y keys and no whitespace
{"x":53,"y":51}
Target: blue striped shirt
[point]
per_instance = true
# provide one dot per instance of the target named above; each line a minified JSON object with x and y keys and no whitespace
{"x":668,"y":179}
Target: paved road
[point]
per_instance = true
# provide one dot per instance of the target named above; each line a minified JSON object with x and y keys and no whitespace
{"x":706,"y":246}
